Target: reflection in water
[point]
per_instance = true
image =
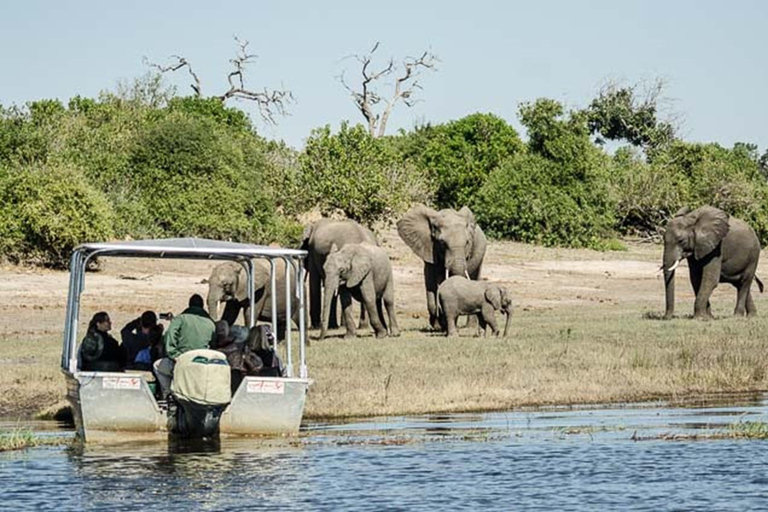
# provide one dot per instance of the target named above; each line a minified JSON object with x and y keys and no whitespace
{"x":574,"y":459}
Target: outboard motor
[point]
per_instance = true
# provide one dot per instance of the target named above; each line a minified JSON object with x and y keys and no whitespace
{"x":201,"y":390}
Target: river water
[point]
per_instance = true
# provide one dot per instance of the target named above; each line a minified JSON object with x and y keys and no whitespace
{"x":640,"y":457}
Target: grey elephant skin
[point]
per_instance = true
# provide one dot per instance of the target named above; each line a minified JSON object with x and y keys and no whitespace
{"x":228,"y":283}
{"x":448,"y":241}
{"x":317,"y":240}
{"x":460,"y":296}
{"x":719,"y":249}
{"x":363,"y":272}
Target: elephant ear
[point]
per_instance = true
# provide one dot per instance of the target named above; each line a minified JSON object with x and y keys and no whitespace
{"x":306,"y":235}
{"x":709,"y":230}
{"x":360,"y":266}
{"x":467,"y":214}
{"x":416,"y":231}
{"x":493,"y":295}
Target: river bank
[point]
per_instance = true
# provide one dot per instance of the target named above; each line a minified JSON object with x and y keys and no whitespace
{"x":585,"y":330}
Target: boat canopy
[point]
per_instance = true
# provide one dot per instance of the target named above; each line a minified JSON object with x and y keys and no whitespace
{"x":189,"y":248}
{"x":195,"y":248}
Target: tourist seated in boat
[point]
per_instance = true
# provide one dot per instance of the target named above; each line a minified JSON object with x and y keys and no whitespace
{"x":260,"y":341}
{"x":99,"y":351}
{"x":242,"y":361}
{"x":146,"y":357}
{"x":191,"y":330}
{"x":136,"y":335}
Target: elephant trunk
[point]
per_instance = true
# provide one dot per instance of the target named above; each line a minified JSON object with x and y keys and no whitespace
{"x":456,"y":263}
{"x":213,"y":300}
{"x":331,"y":286}
{"x":507,"y":322}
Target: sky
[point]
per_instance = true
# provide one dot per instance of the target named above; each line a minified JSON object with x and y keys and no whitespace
{"x":493,"y":55}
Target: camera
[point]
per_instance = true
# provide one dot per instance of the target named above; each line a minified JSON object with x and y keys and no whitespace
{"x":166,"y":316}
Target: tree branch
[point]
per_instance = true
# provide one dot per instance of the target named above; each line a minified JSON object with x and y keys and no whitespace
{"x":404,"y":87}
{"x":269,"y":102}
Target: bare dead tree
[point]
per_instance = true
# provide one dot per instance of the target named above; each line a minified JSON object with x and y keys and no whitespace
{"x":179,"y":62}
{"x":269,"y":102}
{"x":405,"y":85}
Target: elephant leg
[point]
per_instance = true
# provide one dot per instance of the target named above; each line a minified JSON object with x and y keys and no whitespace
{"x":474,"y":275}
{"x":315,"y":304}
{"x":481,"y":324}
{"x":751,"y":310}
{"x":364,"y":323}
{"x":346,"y":309}
{"x":710,"y":276}
{"x":389,"y":303}
{"x":434,"y":275}
{"x":695,"y":274}
{"x":333,"y":322}
{"x":742,"y":294}
{"x":450,"y":324}
{"x":380,"y":312}
{"x":489,"y":317}
{"x":368,"y":296}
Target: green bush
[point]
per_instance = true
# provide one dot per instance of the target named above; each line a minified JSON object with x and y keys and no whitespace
{"x":646,"y":194}
{"x":358,"y":175}
{"x":46,"y":211}
{"x":693,"y":175}
{"x":534,"y":199}
{"x":460,"y":155}
{"x":191,"y":178}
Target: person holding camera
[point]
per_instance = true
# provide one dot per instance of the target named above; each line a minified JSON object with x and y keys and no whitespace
{"x":137,"y":335}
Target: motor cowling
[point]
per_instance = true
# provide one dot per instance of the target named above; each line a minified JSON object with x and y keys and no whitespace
{"x":201,"y":389}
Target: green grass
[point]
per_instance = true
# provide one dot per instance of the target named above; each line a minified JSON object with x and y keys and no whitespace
{"x":22,"y":438}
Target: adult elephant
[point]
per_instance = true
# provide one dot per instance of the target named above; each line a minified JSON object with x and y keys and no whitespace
{"x":317,"y":240}
{"x":448,"y":241}
{"x":719,"y":249}
{"x":363,"y":272}
{"x":228,"y":283}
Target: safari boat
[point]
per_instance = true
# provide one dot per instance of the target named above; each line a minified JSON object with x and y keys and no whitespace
{"x":110,"y":403}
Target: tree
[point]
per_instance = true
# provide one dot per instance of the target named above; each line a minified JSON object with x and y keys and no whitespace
{"x":367,"y":98}
{"x":269,"y":102}
{"x":460,"y":155}
{"x":630,"y":113}
{"x":359,"y":175}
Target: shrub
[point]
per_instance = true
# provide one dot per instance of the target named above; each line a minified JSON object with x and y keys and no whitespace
{"x":191,"y":178}
{"x":358,"y":175}
{"x":46,"y":211}
{"x":533,"y":199}
{"x":693,"y":175}
{"x":460,"y":155}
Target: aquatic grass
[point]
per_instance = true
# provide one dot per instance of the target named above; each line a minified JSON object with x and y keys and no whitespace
{"x":748,"y":430}
{"x":22,"y":438}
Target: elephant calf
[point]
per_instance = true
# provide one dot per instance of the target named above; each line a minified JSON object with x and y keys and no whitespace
{"x":460,"y":296}
{"x":363,"y":272}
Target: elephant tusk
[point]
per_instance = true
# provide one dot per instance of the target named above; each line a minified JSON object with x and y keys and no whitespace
{"x":673,"y":267}
{"x":466,"y":274}
{"x":661,"y":268}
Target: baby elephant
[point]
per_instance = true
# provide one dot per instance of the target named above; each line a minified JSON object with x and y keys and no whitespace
{"x":363,"y":272}
{"x":461,"y":296}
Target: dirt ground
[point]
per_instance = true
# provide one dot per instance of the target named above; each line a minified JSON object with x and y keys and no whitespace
{"x":32,"y":300}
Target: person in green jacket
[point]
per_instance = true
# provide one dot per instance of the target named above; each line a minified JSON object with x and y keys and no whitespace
{"x":191,"y":330}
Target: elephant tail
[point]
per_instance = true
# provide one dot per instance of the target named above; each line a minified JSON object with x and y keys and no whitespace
{"x":759,"y":284}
